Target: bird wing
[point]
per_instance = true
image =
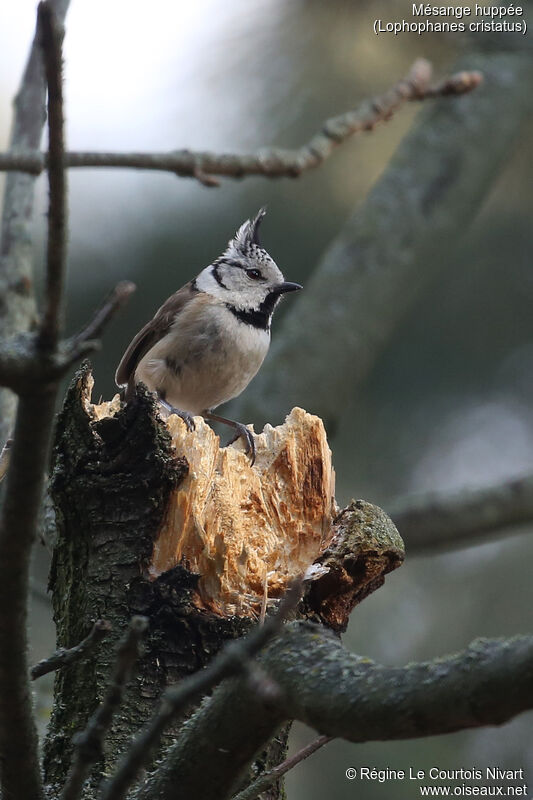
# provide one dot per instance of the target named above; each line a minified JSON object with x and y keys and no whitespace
{"x":152,"y":332}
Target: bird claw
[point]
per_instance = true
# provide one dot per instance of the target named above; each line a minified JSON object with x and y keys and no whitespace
{"x":184,"y":415}
{"x":249,"y":441}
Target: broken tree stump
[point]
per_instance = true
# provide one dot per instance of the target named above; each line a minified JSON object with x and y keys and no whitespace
{"x":248,"y":530}
{"x":153,"y":519}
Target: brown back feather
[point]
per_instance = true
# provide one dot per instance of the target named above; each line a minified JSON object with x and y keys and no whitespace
{"x":152,"y":332}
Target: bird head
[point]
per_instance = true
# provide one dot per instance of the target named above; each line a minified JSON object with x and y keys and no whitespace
{"x":245,"y":277}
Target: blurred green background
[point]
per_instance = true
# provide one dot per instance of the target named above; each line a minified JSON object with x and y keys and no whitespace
{"x":449,"y":403}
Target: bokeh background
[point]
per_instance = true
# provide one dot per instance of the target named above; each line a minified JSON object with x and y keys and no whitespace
{"x":449,"y":403}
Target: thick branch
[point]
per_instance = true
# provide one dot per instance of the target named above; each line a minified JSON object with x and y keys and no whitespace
{"x":62,"y":657}
{"x":459,"y":520}
{"x":344,"y":695}
{"x":17,"y":307}
{"x":393,"y":247}
{"x":271,"y":162}
{"x":352,"y":697}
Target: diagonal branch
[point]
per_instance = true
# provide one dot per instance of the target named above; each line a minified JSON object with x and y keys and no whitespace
{"x":112,"y":303}
{"x":234,"y":659}
{"x":89,"y":742}
{"x":347,"y":696}
{"x":487,"y":684}
{"x":266,"y":780}
{"x":62,"y":658}
{"x":271,"y":162}
{"x":392,"y":247}
{"x":440,"y":521}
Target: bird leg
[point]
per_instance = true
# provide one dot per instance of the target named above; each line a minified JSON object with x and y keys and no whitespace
{"x":185,"y":415}
{"x":242,"y":432}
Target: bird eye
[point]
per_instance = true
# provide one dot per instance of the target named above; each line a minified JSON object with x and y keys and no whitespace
{"x":254,"y":273}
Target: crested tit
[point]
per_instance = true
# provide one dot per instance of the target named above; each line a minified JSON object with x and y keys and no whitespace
{"x":208,"y":340}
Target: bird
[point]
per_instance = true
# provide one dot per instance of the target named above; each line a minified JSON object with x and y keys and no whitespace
{"x":208,"y":340}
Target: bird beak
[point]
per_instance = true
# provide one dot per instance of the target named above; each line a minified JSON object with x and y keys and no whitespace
{"x":286,"y":286}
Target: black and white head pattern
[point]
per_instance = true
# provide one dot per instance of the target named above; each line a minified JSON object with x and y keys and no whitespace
{"x":245,"y":277}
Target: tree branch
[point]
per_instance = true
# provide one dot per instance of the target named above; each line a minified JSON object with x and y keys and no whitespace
{"x":271,"y":162}
{"x":17,"y":310}
{"x":233,"y":659}
{"x":21,"y":774}
{"x":20,"y":771}
{"x":24,"y":367}
{"x":349,"y":697}
{"x":487,"y":684}
{"x":63,"y":658}
{"x":439,"y":521}
{"x":112,"y":303}
{"x":89,"y":743}
{"x":393,"y":247}
{"x":266,"y":780}
{"x":51,"y":40}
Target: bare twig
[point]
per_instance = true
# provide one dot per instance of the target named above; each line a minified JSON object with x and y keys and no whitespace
{"x":89,"y":743}
{"x":271,"y":162}
{"x":462,"y":519}
{"x":51,"y":38}
{"x":459,"y":83}
{"x":232,"y":660}
{"x":268,"y":778}
{"x":115,"y":300}
{"x":62,"y":657}
{"x":384,"y":258}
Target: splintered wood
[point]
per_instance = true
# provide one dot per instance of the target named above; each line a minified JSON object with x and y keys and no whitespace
{"x":243,"y":532}
{"x":244,"y":528}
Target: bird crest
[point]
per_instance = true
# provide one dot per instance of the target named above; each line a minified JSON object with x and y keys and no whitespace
{"x":248,"y":234}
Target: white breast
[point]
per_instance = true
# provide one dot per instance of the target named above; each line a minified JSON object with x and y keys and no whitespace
{"x":207,"y":358}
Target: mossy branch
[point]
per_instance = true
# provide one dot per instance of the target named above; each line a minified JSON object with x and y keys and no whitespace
{"x":343,"y":695}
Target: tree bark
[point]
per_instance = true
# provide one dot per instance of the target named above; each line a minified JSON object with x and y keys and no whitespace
{"x":106,"y":528}
{"x":118,"y":478}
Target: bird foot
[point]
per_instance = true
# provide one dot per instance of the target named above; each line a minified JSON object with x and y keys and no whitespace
{"x":244,"y":433}
{"x":184,"y":415}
